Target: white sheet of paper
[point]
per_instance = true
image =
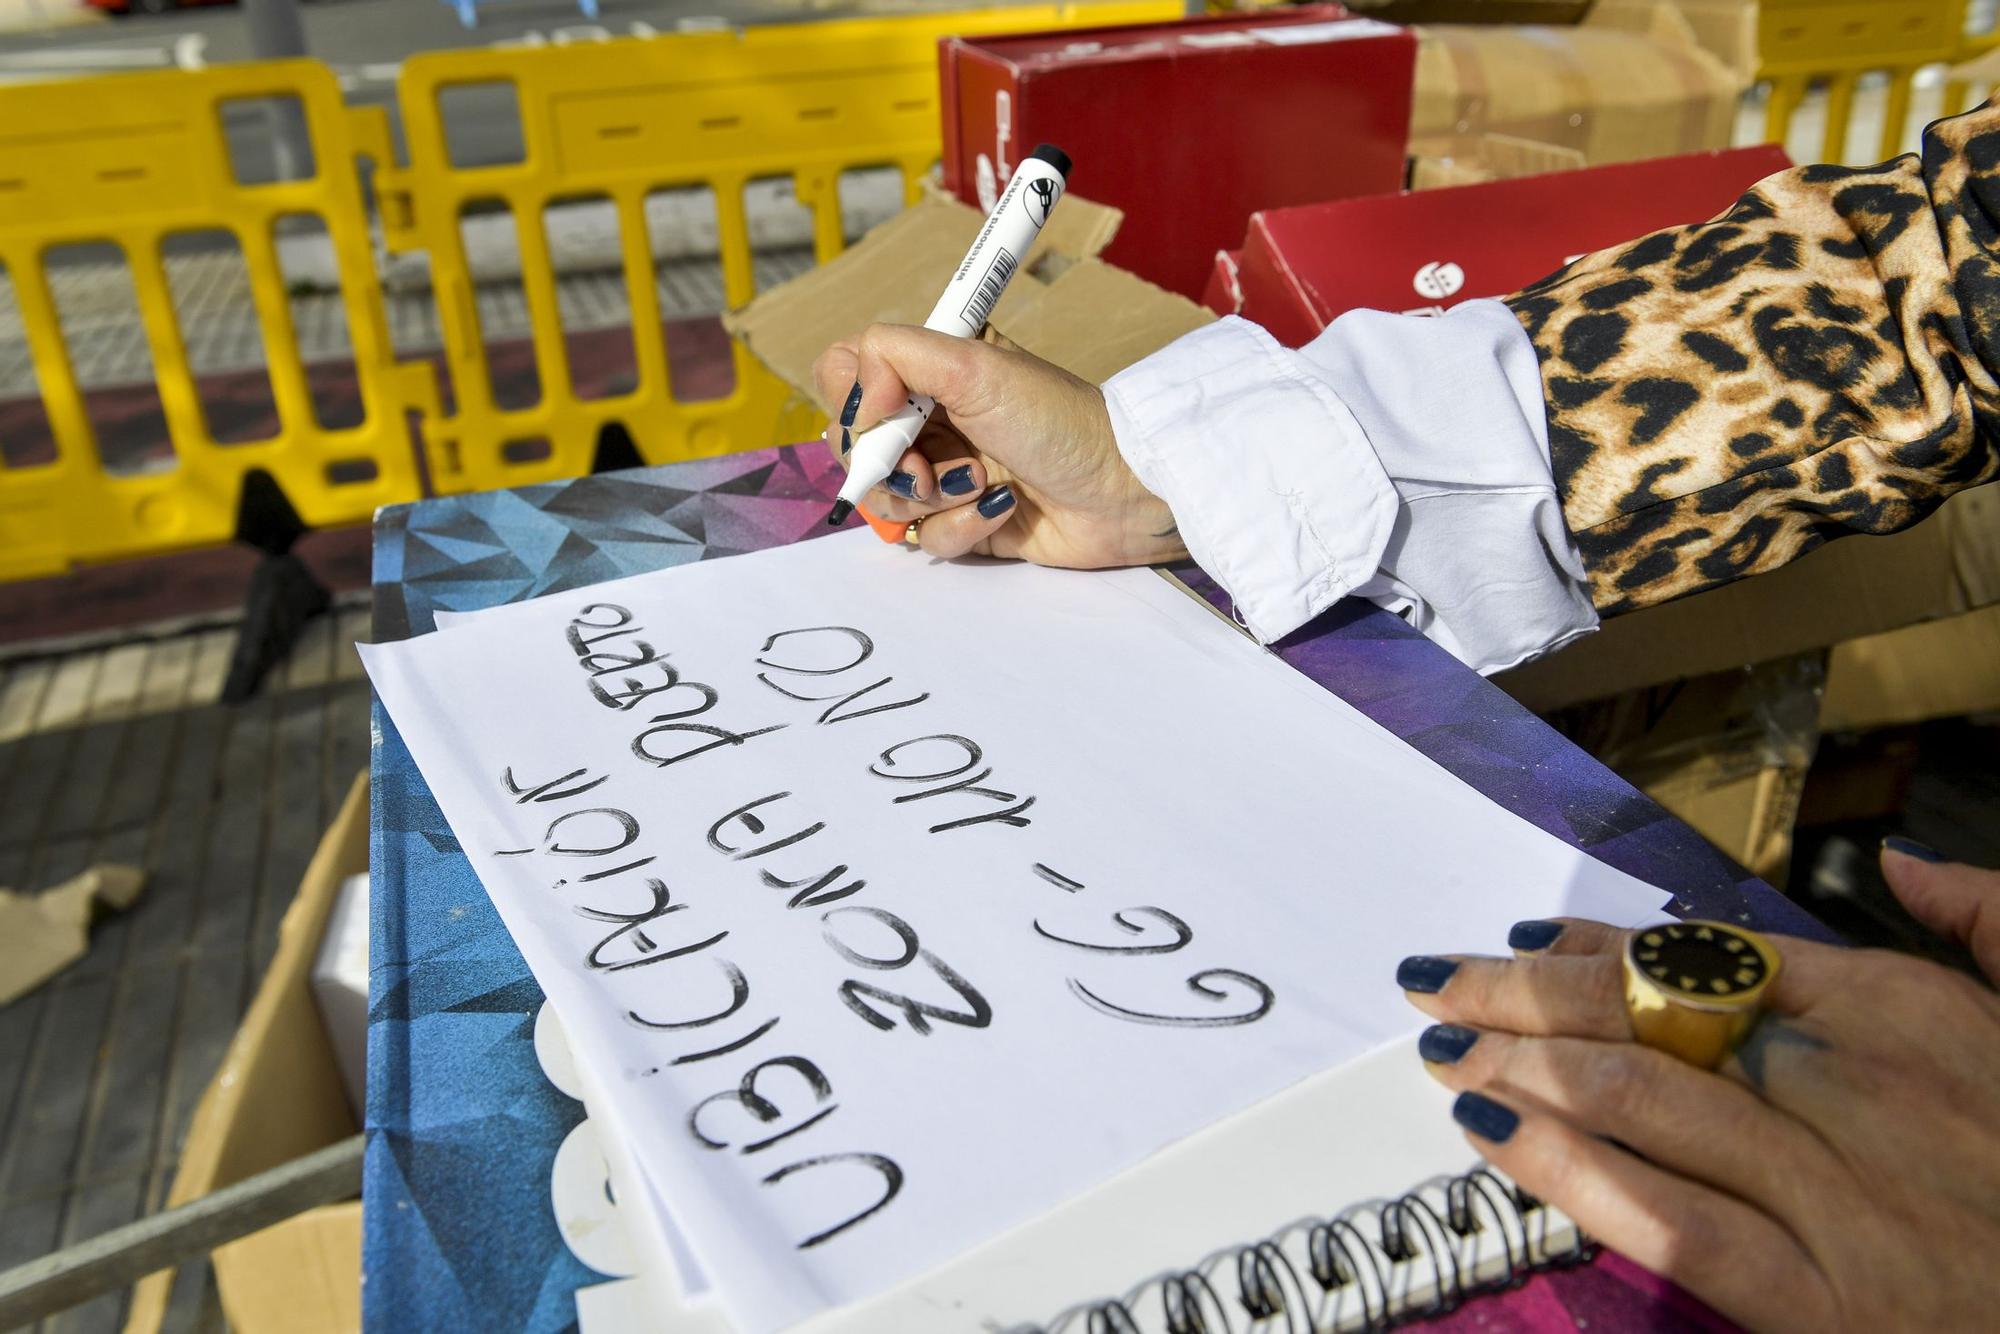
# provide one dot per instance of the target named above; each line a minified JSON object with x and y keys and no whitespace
{"x":1120,"y":873}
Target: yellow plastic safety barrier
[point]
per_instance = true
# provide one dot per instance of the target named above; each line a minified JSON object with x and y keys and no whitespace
{"x":135,"y":160}
{"x":1801,"y":43}
{"x":619,"y":121}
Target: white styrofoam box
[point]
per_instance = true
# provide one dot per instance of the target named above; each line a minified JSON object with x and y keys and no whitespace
{"x":340,"y":987}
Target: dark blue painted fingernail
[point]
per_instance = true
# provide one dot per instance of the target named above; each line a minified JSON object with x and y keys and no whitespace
{"x":1536,"y":935}
{"x":1485,"y":1117}
{"x":1425,"y":973}
{"x":853,"y":405}
{"x":1909,"y":847}
{"x":1443,"y":1044}
{"x":846,"y":440}
{"x":903,"y":484}
{"x":996,"y":502}
{"x":958,"y":481}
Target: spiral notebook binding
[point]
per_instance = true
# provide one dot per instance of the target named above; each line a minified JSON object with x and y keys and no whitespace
{"x":1370,"y":1267}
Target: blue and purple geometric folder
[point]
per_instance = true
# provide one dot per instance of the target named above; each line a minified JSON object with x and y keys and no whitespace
{"x":462,"y":1123}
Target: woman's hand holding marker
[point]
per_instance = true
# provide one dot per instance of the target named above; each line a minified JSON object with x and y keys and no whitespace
{"x":974,"y":289}
{"x":1021,"y":460}
{"x":1018,"y":461}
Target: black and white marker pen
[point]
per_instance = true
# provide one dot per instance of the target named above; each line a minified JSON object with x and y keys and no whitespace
{"x":968,"y":299}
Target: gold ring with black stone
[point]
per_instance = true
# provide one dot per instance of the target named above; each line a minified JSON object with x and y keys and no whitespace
{"x":1693,"y":989}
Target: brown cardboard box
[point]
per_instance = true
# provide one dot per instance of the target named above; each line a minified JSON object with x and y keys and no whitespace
{"x":1469,"y":159}
{"x":1727,"y":30}
{"x":1472,"y":11}
{"x":1939,"y":669}
{"x":1629,"y":82}
{"x":1066,"y":305}
{"x":276,"y":1097}
{"x":1728,"y":752}
{"x":1945,"y":566}
{"x":1860,"y":776}
{"x":1748,"y":810}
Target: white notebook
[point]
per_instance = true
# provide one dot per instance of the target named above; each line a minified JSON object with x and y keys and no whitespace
{"x":1345,"y":1201}
{"x":1231,"y":1142}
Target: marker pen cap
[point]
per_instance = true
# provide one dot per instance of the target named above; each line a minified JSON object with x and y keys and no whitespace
{"x":1054,"y":156}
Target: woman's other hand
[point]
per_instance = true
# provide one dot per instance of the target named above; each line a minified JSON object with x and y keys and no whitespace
{"x":1840,"y":1172}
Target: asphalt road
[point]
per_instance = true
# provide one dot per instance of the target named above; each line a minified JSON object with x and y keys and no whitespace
{"x":365,"y":42}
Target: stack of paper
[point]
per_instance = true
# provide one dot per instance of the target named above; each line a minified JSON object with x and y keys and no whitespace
{"x":891,"y":904}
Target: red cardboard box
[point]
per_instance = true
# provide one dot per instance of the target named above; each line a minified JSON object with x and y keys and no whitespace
{"x":1419,"y":253}
{"x":1186,"y":127}
{"x":1224,"y":292}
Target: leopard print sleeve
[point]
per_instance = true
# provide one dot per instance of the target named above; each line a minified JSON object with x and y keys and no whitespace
{"x":1820,"y":360}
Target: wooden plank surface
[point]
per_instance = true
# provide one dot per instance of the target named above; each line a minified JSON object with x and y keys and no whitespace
{"x":298,"y":813}
{"x":124,"y":753}
{"x":21,"y":698}
{"x":51,"y":1041}
{"x":115,"y":1159}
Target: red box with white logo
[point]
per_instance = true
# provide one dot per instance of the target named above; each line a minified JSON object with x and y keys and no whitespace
{"x":1186,"y":127}
{"x":1419,"y":253}
{"x":1223,"y":293}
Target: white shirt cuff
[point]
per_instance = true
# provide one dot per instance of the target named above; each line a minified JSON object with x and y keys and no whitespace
{"x":1399,"y":458}
{"x":1272,"y":482}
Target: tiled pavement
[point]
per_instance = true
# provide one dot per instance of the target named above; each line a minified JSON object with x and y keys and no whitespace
{"x":124,"y":754}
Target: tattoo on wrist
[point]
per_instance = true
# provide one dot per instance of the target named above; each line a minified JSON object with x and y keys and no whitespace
{"x":1769,"y":1032}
